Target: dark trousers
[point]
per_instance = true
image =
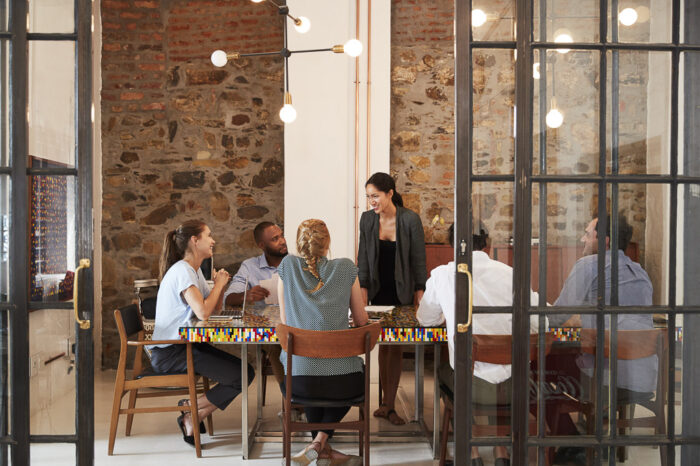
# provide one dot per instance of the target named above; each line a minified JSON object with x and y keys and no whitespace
{"x":210,"y":362}
{"x":327,"y":387}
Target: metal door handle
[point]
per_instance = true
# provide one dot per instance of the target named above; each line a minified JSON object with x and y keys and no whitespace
{"x":84,"y":324}
{"x":464,"y":268}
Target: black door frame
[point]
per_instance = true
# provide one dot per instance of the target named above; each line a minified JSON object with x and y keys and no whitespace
{"x":20,"y":437}
{"x":524,"y":180}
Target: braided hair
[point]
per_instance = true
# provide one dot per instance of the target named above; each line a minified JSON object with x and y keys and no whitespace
{"x":312,"y":242}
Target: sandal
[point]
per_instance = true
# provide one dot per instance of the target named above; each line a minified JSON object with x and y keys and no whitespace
{"x":395,"y":419}
{"x":186,"y":402}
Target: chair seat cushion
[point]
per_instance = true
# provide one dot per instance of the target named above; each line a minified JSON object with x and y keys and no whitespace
{"x":318,"y":403}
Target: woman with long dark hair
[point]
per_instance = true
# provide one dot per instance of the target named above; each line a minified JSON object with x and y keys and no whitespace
{"x":391,"y":259}
{"x":184,"y":293}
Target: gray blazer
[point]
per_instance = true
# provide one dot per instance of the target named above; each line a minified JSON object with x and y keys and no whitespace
{"x":410,"y":272}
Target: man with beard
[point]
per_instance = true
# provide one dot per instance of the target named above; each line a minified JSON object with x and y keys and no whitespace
{"x":270,"y":239}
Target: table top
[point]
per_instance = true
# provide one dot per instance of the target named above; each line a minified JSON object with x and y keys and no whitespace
{"x":258,"y":326}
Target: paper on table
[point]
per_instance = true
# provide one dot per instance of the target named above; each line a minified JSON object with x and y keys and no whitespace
{"x":379,"y":308}
{"x":271,"y":285}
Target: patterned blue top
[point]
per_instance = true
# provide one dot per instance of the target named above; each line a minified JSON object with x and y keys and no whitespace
{"x":325,"y":309}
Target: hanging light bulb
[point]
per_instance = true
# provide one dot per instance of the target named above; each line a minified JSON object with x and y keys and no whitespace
{"x":303,"y":25}
{"x":554,"y":117}
{"x":536,"y":70}
{"x":628,"y":17}
{"x":563,"y":36}
{"x":353,"y":47}
{"x":218,"y":58}
{"x":478,"y":18}
{"x":287,"y":113}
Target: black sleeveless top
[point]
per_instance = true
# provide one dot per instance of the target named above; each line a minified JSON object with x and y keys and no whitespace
{"x":387,"y":282}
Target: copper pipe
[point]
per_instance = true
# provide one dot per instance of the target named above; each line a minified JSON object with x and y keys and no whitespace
{"x":369,"y":81}
{"x":357,"y":128}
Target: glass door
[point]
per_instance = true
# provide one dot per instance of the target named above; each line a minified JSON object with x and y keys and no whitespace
{"x":46,"y":280}
{"x":577,"y":151}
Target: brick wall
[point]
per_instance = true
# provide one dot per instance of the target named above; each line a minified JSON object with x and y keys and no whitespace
{"x":182,"y":139}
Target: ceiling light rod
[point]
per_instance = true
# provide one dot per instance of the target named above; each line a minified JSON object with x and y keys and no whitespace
{"x":301,"y":22}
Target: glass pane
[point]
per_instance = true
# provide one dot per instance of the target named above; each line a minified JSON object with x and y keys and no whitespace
{"x":690,"y":15}
{"x":51,"y":114}
{"x":566,"y":112}
{"x":687,"y":253}
{"x":566,"y":21}
{"x":644,"y":236}
{"x":4,"y":238}
{"x":52,"y":238}
{"x":689,"y":114}
{"x":494,"y":111}
{"x":5,"y":383}
{"x":493,"y":20}
{"x":51,"y":16}
{"x":569,"y":210}
{"x":634,"y":22}
{"x":4,"y":103}
{"x":639,"y":112}
{"x":52,"y":375}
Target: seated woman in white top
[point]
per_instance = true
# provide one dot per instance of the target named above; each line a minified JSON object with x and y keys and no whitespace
{"x":184,"y":293}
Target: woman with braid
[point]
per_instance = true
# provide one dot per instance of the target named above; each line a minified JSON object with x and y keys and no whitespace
{"x":183,"y":293}
{"x":314,"y":294}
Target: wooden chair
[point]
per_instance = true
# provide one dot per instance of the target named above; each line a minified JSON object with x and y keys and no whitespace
{"x":631,"y":344}
{"x":330,"y":344}
{"x":493,"y":349}
{"x":129,"y":324}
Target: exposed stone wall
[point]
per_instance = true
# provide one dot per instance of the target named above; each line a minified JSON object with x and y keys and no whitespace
{"x":183,"y":139}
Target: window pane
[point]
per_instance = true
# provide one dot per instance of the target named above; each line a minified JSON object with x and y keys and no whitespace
{"x":52,"y":102}
{"x":689,"y":114}
{"x":687,"y":252}
{"x":566,"y":112}
{"x":4,"y":238}
{"x":493,"y":20}
{"x":494,"y":117}
{"x":639,"y":124}
{"x":640,"y":22}
{"x":4,"y":103}
{"x":566,"y":21}
{"x":51,"y":16}
{"x":52,"y":238}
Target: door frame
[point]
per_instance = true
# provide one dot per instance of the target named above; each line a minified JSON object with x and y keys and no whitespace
{"x":19,"y":307}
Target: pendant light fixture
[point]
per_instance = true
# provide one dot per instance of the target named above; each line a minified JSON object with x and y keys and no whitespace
{"x":288,"y":113}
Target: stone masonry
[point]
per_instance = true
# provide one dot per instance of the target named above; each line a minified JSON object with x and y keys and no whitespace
{"x":182,"y":139}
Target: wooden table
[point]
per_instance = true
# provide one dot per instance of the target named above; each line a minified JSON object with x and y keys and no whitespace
{"x":257,"y":327}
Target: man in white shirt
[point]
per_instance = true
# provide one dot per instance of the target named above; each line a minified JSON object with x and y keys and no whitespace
{"x":493,"y":286}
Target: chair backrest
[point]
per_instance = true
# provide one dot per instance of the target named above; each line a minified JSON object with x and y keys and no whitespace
{"x":497,"y":349}
{"x":631,"y":344}
{"x":128,"y":320}
{"x":328,"y":344}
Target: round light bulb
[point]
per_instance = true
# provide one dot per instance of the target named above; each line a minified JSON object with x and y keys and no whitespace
{"x":478,"y":18}
{"x":536,"y":70}
{"x":303,"y":26}
{"x":353,"y":47}
{"x":628,"y":16}
{"x":554,"y":118}
{"x":219,"y":58}
{"x":287,"y":113}
{"x":563,"y":37}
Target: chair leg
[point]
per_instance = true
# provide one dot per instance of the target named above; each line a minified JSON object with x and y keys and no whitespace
{"x":446,"y":416}
{"x":116,"y":405}
{"x":130,"y":416}
{"x":210,"y":418}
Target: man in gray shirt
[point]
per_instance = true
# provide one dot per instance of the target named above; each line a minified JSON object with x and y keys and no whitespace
{"x":581,"y":289}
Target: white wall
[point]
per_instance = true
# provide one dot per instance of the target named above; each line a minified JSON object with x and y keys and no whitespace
{"x":320,"y":145}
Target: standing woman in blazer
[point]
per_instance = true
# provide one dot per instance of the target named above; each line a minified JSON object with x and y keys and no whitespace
{"x":391,"y":261}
